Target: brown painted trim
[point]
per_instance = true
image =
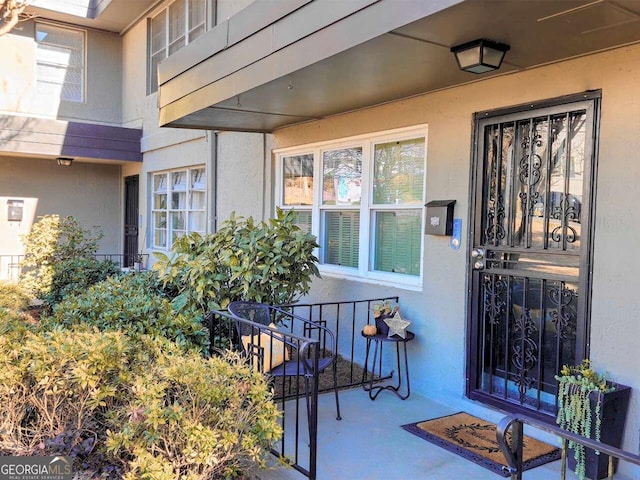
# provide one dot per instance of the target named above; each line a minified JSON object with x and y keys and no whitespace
{"x":37,"y":136}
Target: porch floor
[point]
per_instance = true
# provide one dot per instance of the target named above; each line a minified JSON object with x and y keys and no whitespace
{"x":369,"y":444}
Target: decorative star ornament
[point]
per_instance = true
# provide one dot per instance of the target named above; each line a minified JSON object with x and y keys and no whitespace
{"x":397,"y":325}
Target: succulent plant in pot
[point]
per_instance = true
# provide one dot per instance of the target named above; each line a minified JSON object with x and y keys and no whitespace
{"x":382,"y":310}
{"x":594,"y":407}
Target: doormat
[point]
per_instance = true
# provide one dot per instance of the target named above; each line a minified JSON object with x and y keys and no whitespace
{"x":475,"y":439}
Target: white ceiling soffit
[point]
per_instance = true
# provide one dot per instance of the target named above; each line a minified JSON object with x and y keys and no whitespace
{"x":400,"y":62}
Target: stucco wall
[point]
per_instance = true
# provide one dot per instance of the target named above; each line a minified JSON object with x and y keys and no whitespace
{"x":89,"y":192}
{"x":439,"y":311}
{"x":103,"y":71}
{"x":240,"y":172}
{"x":163,"y":148}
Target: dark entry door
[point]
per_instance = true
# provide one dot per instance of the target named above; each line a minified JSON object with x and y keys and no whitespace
{"x":530,"y":257}
{"x":130,"y":219}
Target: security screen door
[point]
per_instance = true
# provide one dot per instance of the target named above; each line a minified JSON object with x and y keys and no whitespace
{"x":530,"y":257}
{"x":131,"y":220}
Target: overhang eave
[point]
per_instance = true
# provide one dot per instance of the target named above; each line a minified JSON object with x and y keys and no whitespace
{"x":192,"y":81}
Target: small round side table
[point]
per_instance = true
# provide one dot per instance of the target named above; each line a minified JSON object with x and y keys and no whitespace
{"x":379,"y":340}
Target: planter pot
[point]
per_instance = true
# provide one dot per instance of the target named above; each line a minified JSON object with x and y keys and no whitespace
{"x":613,"y":414}
{"x":381,"y":327}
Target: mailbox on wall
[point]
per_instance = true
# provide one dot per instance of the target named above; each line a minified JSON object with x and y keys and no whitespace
{"x":439,"y":217}
{"x":14,"y":210}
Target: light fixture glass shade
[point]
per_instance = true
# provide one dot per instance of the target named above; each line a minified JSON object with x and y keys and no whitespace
{"x":64,"y":161}
{"x":480,"y":56}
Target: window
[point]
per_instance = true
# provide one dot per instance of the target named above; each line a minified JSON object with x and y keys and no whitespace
{"x":174,"y":27}
{"x":340,"y":209}
{"x":178,"y":205}
{"x":297,"y":171}
{"x":367,"y":205}
{"x":60,"y":62}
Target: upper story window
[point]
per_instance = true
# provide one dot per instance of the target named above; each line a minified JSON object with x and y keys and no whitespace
{"x":364,"y":200}
{"x":177,"y":205}
{"x":174,"y":27}
{"x":60,"y":62}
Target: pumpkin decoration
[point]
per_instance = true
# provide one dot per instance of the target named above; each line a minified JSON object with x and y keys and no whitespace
{"x":369,"y":330}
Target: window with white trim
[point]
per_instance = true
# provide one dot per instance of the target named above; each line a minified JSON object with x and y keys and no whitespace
{"x":174,"y":27}
{"x":364,"y":200}
{"x":60,"y":60}
{"x":177,"y":205}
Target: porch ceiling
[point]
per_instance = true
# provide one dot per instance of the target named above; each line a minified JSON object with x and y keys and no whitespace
{"x":284,"y":72}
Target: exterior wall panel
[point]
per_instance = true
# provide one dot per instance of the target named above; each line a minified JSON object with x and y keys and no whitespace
{"x":228,"y":8}
{"x":89,"y":192}
{"x":103,"y":75}
{"x":241,"y":169}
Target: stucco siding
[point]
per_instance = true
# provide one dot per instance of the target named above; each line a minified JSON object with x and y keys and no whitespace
{"x":134,"y":75}
{"x":89,"y":192}
{"x":240,"y":171}
{"x":103,"y":76}
{"x":438,"y":312}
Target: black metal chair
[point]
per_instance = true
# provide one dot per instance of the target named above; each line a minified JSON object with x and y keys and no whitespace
{"x":263,"y":343}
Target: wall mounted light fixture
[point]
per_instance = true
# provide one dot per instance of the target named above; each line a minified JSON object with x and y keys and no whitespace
{"x":480,"y":56}
{"x":64,"y":161}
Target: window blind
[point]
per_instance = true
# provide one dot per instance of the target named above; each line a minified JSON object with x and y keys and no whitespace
{"x":398,"y":241}
{"x":342,"y":238}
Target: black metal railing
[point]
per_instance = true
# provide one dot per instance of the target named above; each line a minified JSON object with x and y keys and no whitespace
{"x":298,"y":445}
{"x":512,"y":450}
{"x":346,"y":320}
{"x":11,"y":265}
{"x":137,"y":261}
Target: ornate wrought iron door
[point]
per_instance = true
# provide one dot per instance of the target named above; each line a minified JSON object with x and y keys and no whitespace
{"x":130,"y":220}
{"x":530,"y":257}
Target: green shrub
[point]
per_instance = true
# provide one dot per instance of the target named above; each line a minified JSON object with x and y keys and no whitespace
{"x":52,"y":383}
{"x":132,"y":303}
{"x":73,"y":276}
{"x":195,"y":418}
{"x":266,"y":262}
{"x":13,"y":296}
{"x":14,"y":325}
{"x":132,"y":405}
{"x":53,"y":240}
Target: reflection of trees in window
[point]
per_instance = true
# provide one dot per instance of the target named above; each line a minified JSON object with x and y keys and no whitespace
{"x":342,"y":176}
{"x":399,"y":172}
{"x":537,"y":175}
{"x":298,"y":179}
